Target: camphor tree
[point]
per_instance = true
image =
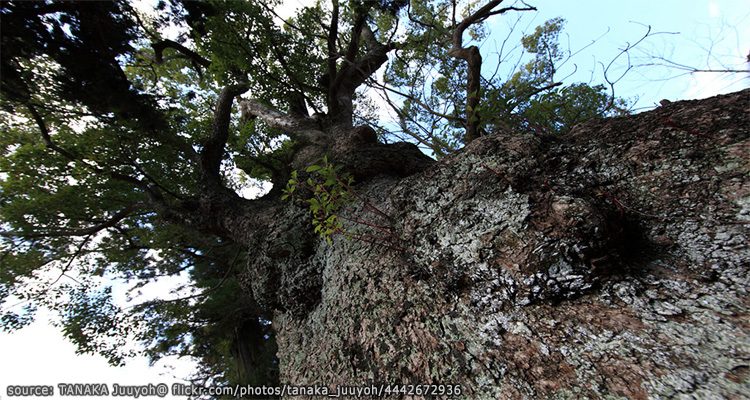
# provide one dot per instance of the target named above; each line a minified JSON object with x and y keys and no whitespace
{"x":119,"y":119}
{"x":123,"y":156}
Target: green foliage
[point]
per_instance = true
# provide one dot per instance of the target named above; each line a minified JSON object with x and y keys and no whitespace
{"x":530,"y":99}
{"x":93,"y":323}
{"x":560,"y":109}
{"x":326,"y":189}
{"x":214,"y":324}
{"x":330,"y":190}
{"x":115,"y":112}
{"x":544,"y":45}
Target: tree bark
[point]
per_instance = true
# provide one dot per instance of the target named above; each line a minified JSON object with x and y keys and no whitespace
{"x":612,"y":261}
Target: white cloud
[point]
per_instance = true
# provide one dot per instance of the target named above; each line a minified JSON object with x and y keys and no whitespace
{"x":713,"y":9}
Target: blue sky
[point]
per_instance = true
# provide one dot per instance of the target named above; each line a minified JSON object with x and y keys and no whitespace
{"x":705,"y":34}
{"x":711,"y":34}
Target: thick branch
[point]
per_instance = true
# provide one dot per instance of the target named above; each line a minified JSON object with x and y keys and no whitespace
{"x":160,"y":46}
{"x":349,"y":58}
{"x":359,"y":23}
{"x":332,"y":56}
{"x":213,"y":148}
{"x":377,"y":54}
{"x":480,"y":15}
{"x":473,"y":87}
{"x":474,"y":60}
{"x":355,"y":74}
{"x":294,"y":126}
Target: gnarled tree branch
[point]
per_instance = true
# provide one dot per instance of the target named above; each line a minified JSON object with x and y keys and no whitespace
{"x":194,"y":57}
{"x":473,"y":58}
{"x":376,"y":55}
{"x":332,"y":56}
{"x":354,"y":74}
{"x":298,"y":127}
{"x":213,"y":148}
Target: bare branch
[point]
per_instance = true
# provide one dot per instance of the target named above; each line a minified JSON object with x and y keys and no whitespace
{"x":76,"y":254}
{"x":417,"y":101}
{"x":683,"y":67}
{"x":354,"y":75}
{"x":480,"y":15}
{"x":359,"y":23}
{"x":626,"y":52}
{"x":286,"y":22}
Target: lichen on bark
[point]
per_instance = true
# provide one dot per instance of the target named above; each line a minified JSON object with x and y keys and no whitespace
{"x":611,"y":262}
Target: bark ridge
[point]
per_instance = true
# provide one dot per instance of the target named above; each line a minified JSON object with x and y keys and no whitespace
{"x":611,"y":262}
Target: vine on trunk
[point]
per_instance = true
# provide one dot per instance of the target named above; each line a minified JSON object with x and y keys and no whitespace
{"x":330,"y":190}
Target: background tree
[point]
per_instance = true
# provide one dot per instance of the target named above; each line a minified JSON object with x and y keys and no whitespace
{"x":431,"y":84}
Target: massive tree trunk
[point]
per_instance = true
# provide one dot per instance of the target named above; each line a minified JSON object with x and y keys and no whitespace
{"x":612,"y":261}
